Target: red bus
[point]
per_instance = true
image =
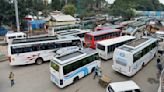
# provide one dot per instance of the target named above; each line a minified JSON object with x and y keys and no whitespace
{"x":90,"y":39}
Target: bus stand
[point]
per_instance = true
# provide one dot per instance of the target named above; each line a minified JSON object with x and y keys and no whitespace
{"x":104,"y":80}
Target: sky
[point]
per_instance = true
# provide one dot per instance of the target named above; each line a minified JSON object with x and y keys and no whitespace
{"x":111,"y":1}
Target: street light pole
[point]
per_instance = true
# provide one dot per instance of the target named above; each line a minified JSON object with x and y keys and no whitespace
{"x":16,"y":14}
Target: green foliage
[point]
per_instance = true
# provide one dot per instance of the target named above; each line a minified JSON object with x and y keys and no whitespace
{"x":69,"y":9}
{"x":87,"y":14}
{"x":126,"y":8}
{"x":57,"y":4}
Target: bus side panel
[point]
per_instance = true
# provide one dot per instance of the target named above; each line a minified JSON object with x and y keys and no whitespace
{"x":144,"y":60}
{"x":80,"y":73}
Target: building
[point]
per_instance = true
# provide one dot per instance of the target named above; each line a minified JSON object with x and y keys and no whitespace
{"x":61,"y":19}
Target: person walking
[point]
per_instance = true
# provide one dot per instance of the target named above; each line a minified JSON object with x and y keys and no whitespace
{"x":11,"y":77}
{"x":159,"y":66}
{"x":95,"y":72}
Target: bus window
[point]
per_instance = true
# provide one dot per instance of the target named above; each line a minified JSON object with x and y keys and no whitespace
{"x":11,"y":37}
{"x":88,"y":37}
{"x":100,"y":47}
{"x":137,"y":56}
{"x":55,"y":66}
{"x":19,"y":36}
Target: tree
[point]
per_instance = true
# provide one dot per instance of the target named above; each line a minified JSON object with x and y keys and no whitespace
{"x":57,"y":4}
{"x":69,"y":9}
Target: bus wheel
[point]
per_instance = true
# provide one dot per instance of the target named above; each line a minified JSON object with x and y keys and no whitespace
{"x":76,"y":79}
{"x":39,"y":61}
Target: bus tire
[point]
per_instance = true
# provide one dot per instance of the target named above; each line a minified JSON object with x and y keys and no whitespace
{"x":39,"y":61}
{"x":75,"y":79}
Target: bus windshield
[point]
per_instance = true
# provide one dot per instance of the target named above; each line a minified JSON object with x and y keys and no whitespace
{"x":101,"y":47}
{"x":88,"y":37}
{"x":55,"y":66}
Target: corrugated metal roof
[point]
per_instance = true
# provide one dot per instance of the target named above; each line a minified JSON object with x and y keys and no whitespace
{"x":60,"y":17}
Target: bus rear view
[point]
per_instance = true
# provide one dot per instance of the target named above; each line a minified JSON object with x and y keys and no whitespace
{"x":130,"y":58}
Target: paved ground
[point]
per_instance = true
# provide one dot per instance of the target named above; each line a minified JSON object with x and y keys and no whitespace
{"x":36,"y":78}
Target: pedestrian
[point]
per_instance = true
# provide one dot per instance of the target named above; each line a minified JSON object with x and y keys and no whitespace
{"x":11,"y":77}
{"x":99,"y":72}
{"x":159,"y":66}
{"x":95,"y":72}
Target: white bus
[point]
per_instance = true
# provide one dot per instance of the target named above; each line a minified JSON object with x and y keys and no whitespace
{"x":71,"y":67}
{"x":73,"y":32}
{"x":10,"y":36}
{"x":37,"y":50}
{"x":131,"y":57}
{"x":105,"y":48}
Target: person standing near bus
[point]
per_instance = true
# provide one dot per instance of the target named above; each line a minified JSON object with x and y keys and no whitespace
{"x":159,"y":66}
{"x":11,"y":77}
{"x":95,"y":72}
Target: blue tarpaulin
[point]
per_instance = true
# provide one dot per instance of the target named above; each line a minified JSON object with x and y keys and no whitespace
{"x":37,"y":24}
{"x":3,"y":31}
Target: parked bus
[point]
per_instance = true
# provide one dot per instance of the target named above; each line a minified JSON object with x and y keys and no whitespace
{"x":108,"y":26}
{"x":71,"y":67}
{"x":105,"y":48}
{"x":10,"y":36}
{"x":74,"y":32}
{"x":131,"y":57}
{"x":52,"y":30}
{"x":90,"y":39}
{"x":37,"y":50}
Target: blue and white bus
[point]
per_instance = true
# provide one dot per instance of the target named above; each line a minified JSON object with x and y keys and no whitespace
{"x":131,"y":57}
{"x":71,"y":67}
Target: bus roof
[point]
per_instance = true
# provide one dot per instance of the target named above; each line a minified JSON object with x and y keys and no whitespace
{"x":103,"y":32}
{"x":74,"y":56}
{"x":14,"y":33}
{"x":115,"y":40}
{"x":38,"y":39}
{"x":137,"y":44}
{"x":124,"y":86}
{"x":71,"y":32}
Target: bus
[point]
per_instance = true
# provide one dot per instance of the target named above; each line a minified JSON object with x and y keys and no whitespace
{"x":105,"y":48}
{"x":14,"y":35}
{"x":108,"y":26}
{"x":52,"y":30}
{"x":91,"y":38}
{"x":74,"y":32}
{"x":71,"y":67}
{"x":37,"y":50}
{"x":131,"y":57}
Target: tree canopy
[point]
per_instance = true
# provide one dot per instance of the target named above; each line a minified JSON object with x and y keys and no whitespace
{"x":69,"y":9}
{"x":126,"y":8}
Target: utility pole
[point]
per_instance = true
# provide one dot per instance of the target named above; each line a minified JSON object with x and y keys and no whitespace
{"x":16,"y":14}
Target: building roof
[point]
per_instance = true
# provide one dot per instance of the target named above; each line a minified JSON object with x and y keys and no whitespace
{"x":103,"y":32}
{"x":61,"y":17}
{"x":115,"y":40}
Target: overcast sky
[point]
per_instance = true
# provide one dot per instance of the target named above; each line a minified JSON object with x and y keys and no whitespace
{"x":111,"y":1}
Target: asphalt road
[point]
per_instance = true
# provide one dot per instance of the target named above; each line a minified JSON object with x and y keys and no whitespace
{"x":36,"y":78}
